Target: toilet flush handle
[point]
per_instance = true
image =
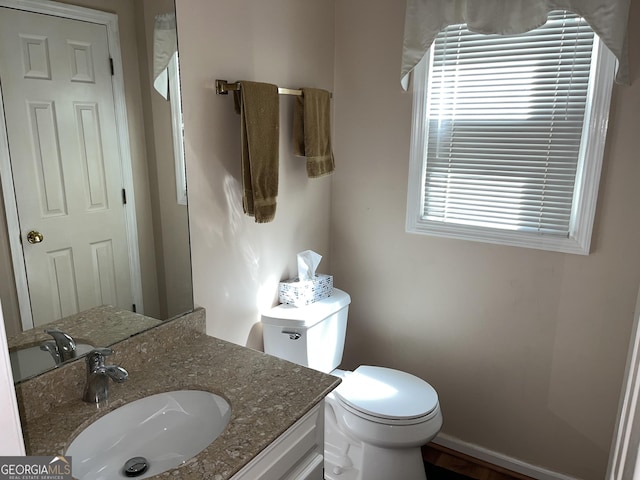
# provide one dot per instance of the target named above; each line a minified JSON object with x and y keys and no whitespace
{"x":292,"y":335}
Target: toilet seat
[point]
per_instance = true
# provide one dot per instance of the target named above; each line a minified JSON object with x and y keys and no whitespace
{"x":387,"y":396}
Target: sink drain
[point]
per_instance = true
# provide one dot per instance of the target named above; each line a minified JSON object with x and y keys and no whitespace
{"x":136,"y":466}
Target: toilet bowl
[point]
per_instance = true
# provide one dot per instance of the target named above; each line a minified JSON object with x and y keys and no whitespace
{"x":378,"y":418}
{"x":375,"y":423}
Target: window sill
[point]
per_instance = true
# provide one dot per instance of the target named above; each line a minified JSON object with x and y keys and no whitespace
{"x":575,"y":244}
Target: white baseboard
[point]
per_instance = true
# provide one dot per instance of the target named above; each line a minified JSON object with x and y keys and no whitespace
{"x":499,"y":459}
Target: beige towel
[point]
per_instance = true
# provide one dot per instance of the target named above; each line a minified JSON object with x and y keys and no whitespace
{"x":312,"y":131}
{"x":259,"y":108}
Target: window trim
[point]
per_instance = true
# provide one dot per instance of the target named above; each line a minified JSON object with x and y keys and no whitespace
{"x":587,"y":176}
{"x":177,"y":128}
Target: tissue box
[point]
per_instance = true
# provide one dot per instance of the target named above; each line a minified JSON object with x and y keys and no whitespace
{"x":305,"y":292}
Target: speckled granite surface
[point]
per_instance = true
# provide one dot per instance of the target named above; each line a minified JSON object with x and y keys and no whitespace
{"x":267,"y":395}
{"x":98,"y":326}
{"x":39,"y":395}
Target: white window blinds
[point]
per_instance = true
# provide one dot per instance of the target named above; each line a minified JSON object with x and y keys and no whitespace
{"x":504,"y":120}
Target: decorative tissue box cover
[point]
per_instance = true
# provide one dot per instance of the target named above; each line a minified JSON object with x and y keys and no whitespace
{"x":305,"y":292}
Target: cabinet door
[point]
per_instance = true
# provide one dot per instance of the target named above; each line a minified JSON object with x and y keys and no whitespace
{"x":311,"y":467}
{"x":296,"y":455}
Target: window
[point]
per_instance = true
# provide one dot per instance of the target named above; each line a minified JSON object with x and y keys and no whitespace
{"x":508,"y":135}
{"x":177,"y":128}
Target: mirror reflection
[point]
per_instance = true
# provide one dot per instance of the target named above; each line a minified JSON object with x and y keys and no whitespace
{"x":92,"y":167}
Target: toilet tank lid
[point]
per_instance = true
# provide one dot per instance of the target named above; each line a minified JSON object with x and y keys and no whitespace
{"x":289,"y":315}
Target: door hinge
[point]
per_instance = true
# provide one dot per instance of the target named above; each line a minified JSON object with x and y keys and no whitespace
{"x":133,"y":308}
{"x":111,"y":66}
{"x":124,"y":196}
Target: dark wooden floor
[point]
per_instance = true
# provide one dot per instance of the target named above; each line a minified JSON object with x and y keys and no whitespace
{"x":465,"y":465}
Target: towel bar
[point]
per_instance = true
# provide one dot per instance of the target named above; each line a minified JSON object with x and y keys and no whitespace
{"x":223,"y":88}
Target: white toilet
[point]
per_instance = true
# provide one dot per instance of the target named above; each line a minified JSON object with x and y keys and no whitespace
{"x":378,"y":418}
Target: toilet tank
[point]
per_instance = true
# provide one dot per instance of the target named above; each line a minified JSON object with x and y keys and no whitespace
{"x":312,"y":336}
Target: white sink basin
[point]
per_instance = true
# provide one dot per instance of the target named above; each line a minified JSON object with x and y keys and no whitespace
{"x":165,"y":430}
{"x":30,"y":361}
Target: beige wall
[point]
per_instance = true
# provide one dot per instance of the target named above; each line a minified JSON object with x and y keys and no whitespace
{"x":526,"y":348}
{"x":236,"y":262}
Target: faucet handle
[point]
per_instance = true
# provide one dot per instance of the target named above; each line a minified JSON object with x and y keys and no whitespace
{"x":60,"y":336}
{"x":95,"y":358}
{"x":65,"y":345}
{"x":104,"y":351}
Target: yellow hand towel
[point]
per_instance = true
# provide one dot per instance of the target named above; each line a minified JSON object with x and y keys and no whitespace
{"x":259,"y":108}
{"x":312,"y":131}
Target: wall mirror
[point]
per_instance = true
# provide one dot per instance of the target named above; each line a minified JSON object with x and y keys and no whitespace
{"x":94,"y":215}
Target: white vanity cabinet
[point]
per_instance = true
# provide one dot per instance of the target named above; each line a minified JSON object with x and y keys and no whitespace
{"x":297,"y":454}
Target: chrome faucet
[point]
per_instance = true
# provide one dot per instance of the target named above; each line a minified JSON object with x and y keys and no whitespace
{"x":96,"y":389}
{"x":61,"y":348}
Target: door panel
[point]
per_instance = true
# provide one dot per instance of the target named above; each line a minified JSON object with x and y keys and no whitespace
{"x":46,"y":156}
{"x":62,"y":284}
{"x":104,"y":273}
{"x":89,"y":135}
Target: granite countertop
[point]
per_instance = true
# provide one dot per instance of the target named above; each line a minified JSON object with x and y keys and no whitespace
{"x":267,"y":396}
{"x":99,"y":326}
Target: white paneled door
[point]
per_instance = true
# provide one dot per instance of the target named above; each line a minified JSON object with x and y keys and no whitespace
{"x":63,"y":146}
